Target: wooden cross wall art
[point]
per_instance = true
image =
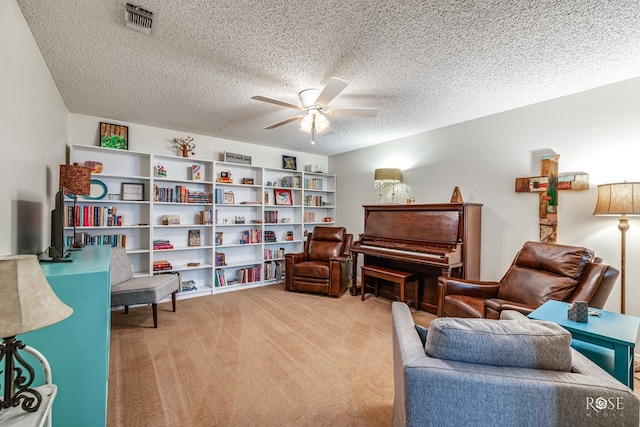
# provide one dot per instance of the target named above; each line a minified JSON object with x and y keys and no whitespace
{"x":547,"y":186}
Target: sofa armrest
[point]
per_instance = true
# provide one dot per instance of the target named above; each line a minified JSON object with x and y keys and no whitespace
{"x":289,"y":261}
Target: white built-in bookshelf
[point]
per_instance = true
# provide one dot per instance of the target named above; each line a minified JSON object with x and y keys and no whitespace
{"x":232,"y":233}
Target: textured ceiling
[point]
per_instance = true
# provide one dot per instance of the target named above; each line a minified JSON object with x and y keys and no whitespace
{"x":424,"y":64}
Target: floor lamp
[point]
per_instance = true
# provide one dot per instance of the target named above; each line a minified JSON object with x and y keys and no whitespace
{"x":621,"y":199}
{"x":76,"y":181}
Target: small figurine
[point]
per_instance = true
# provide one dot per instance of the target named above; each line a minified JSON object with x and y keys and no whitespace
{"x":184,"y":145}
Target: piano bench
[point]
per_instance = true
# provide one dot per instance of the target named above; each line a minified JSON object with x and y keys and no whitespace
{"x":390,"y":275}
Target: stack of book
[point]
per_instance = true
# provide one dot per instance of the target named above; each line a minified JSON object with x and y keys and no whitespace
{"x":162,"y":244}
{"x":170,"y":220}
{"x":188,"y":285}
{"x":161,"y":265}
{"x":270,"y":236}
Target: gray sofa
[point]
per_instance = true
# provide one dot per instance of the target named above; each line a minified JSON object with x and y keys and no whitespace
{"x":450,"y":390}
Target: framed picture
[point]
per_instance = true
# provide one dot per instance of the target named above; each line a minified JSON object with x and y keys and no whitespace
{"x":289,"y":162}
{"x":132,"y":191}
{"x":283,"y":197}
{"x":229,"y":198}
{"x":114,"y":136}
{"x":194,"y":237}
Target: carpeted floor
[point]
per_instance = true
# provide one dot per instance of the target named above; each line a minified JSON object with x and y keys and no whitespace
{"x":256,"y":357}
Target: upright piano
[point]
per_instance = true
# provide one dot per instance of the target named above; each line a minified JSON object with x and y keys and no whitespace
{"x":429,"y":240}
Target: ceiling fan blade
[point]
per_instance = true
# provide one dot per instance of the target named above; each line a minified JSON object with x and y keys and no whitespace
{"x":277,"y":102}
{"x":330,"y":91}
{"x":353,"y":112}
{"x":284,"y":122}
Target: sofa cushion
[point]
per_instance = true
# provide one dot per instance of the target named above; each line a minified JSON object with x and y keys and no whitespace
{"x":531,"y":344}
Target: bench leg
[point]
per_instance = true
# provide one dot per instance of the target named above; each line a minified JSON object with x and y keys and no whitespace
{"x":173,"y":301}
{"x":154,"y":308}
{"x":126,"y":309}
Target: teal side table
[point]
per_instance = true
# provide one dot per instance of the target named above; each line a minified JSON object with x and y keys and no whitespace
{"x":78,"y":347}
{"x":608,"y":340}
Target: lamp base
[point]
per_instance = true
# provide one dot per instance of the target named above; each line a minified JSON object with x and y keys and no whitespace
{"x":17,"y":383}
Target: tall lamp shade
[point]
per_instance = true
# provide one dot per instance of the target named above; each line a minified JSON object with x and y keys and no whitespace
{"x":620,"y":199}
{"x":28,"y":303}
{"x":75,"y":180}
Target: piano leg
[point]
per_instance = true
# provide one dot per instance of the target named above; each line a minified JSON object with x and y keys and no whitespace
{"x":354,"y":289}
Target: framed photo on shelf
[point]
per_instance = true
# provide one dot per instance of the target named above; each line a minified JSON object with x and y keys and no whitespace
{"x":289,"y":162}
{"x":114,"y":136}
{"x":132,"y":191}
{"x":283,"y":197}
{"x":229,"y":198}
{"x":194,"y":237}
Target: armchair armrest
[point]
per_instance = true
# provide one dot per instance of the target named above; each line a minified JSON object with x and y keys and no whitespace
{"x":455,"y":286}
{"x":289,"y":261}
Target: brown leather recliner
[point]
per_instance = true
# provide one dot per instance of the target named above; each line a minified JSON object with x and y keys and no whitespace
{"x":539,"y":272}
{"x":325,"y":265}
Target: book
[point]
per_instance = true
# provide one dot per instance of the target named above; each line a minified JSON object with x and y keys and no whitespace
{"x":196,"y":172}
{"x":194,"y":237}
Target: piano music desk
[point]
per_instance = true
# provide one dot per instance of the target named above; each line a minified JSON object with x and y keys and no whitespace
{"x":394,"y":276}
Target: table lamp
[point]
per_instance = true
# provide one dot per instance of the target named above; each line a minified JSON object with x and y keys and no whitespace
{"x":28,"y":303}
{"x":76,"y":181}
{"x":387,"y":177}
{"x":620,"y":199}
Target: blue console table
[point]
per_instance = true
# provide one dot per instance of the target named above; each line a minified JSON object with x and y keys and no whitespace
{"x":608,"y":339}
{"x":78,"y":347}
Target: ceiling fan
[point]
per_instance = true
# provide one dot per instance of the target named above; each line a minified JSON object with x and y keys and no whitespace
{"x":314,"y":102}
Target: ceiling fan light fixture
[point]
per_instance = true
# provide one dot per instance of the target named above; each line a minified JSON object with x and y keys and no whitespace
{"x":314,"y":119}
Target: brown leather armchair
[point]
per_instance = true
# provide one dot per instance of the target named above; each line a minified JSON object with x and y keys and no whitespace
{"x":539,"y":272}
{"x":325,"y":265}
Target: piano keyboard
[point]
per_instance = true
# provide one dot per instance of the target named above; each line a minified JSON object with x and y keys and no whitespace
{"x":439,"y":257}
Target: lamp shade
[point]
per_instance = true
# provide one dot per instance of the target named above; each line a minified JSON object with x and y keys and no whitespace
{"x":387,"y":176}
{"x":28,"y":303}
{"x":621,"y":198}
{"x":75,"y":179}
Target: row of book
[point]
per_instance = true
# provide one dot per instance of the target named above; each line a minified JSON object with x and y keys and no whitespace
{"x":206,"y":217}
{"x":271,"y":217}
{"x":313,"y":183}
{"x":223,"y":197}
{"x":273,"y":270}
{"x":92,"y":216}
{"x":93,"y":240}
{"x":249,"y":275}
{"x":274,"y":253}
{"x":250,"y":236}
{"x":310,"y":200}
{"x":179,"y":194}
{"x":291,"y":181}
{"x":309,"y":217}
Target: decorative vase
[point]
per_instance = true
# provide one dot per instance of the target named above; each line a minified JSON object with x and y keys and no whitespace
{"x":185,"y":151}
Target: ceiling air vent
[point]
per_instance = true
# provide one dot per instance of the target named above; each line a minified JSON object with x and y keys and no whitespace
{"x":138,"y":19}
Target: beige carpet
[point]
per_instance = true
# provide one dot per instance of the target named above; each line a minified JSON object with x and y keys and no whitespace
{"x":256,"y":357}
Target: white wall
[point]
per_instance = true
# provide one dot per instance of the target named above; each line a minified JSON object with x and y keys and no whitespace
{"x":597,"y":132}
{"x":83,"y":130}
{"x":33,"y":119}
